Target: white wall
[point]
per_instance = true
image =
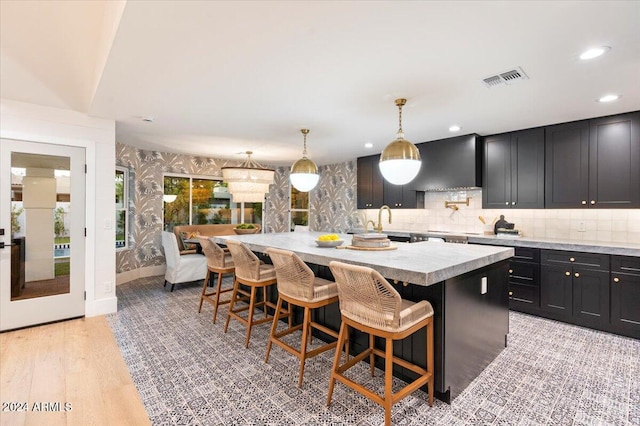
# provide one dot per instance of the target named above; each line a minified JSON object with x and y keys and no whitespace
{"x":36,"y":123}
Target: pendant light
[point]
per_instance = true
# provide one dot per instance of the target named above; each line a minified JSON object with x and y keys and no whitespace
{"x":400,"y":160}
{"x":248,"y":178}
{"x":304,"y":172}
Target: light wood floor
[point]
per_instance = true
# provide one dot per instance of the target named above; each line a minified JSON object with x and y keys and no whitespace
{"x":76,"y":362}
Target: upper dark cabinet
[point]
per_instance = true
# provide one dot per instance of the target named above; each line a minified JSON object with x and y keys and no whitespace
{"x":449,"y":164}
{"x":614,"y":161}
{"x":402,"y":196}
{"x":594,"y":163}
{"x":513,"y":170}
{"x":369,"y":186}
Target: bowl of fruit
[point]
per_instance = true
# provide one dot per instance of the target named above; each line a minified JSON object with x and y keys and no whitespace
{"x":329,"y":240}
{"x":246,"y":228}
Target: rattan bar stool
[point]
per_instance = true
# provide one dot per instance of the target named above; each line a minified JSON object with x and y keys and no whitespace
{"x":370,"y":304}
{"x":219,"y":262}
{"x":253,"y":273}
{"x":297,"y":285}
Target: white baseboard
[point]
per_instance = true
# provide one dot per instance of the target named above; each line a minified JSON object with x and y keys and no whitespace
{"x":134,"y":274}
{"x":104,"y":306}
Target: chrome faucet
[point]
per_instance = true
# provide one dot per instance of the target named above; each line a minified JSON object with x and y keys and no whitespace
{"x":378,"y":227}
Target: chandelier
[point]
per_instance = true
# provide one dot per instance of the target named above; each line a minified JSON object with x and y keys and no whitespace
{"x":249,"y":181}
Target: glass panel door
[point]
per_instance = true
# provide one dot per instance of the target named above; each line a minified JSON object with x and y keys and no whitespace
{"x":43,"y":266}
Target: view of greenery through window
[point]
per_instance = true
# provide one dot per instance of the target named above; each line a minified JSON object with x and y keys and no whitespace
{"x":299,"y":208}
{"x":202,"y":201}
{"x":121,"y":208}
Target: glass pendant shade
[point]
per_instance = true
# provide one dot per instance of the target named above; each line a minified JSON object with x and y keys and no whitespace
{"x":400,"y":160}
{"x":169,"y":198}
{"x":304,"y":172}
{"x":248,"y":197}
{"x":248,"y":178}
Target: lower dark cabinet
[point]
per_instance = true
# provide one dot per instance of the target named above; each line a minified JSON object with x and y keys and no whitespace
{"x":556,"y":291}
{"x":591,"y":298}
{"x":524,"y":280}
{"x":625,"y":295}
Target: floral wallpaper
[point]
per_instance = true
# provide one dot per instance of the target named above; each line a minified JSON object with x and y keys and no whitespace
{"x":333,"y":205}
{"x":332,"y":202}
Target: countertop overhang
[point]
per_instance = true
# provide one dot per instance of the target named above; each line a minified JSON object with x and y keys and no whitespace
{"x":420,"y":263}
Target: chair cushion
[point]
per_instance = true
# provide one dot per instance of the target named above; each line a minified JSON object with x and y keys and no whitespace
{"x":186,"y":235}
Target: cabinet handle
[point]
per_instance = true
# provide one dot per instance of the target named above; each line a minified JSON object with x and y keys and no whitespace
{"x":616,"y":280}
{"x":405,"y":284}
{"x":506,"y":203}
{"x":593,"y":202}
{"x":567,"y":273}
{"x":577,"y":275}
{"x":584,"y":202}
{"x":513,"y":203}
{"x":511,"y":271}
{"x":510,"y":293}
{"x":400,"y":205}
{"x":572,"y":259}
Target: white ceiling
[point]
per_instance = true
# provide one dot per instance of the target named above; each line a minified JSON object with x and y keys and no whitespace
{"x":220,"y":77}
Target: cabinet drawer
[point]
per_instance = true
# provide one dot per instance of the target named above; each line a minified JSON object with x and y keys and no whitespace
{"x":589,"y":260}
{"x":527,"y":254}
{"x":625,"y":264}
{"x":526,"y":294}
{"x":524,"y":273}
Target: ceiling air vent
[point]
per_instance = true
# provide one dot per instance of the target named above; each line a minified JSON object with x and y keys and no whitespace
{"x":505,"y":78}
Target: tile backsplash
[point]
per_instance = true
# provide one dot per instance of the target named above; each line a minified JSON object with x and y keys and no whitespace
{"x":602,"y":225}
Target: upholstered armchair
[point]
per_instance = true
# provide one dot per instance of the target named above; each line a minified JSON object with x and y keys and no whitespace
{"x":181,"y":268}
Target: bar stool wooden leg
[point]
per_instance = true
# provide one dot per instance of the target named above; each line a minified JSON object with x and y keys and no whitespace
{"x":388,"y":381}
{"x":218,"y":291}
{"x":204,"y":290}
{"x":430,"y":360}
{"x":274,"y":327}
{"x":252,"y":304}
{"x":372,"y":357}
{"x":232,"y":303}
{"x":305,"y":337}
{"x":342,"y":336}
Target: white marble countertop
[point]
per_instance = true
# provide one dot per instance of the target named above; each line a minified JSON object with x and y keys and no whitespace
{"x":623,"y":249}
{"x":421,"y":263}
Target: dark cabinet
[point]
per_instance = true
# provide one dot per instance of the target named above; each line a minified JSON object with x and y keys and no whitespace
{"x":625,"y":295}
{"x":574,"y":287}
{"x":614,"y":159}
{"x":524,"y":280}
{"x":514,"y":170}
{"x":593,"y":163}
{"x":402,"y":196}
{"x":369,"y":186}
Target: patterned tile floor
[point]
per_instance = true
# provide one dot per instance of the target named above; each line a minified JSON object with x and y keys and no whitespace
{"x":188,"y":372}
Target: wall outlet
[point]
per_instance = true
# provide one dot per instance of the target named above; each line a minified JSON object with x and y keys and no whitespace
{"x":582,"y":227}
{"x":483,"y":286}
{"x":108,"y":286}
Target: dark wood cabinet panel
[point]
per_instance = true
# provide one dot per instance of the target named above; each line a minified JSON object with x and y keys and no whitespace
{"x":591,"y":298}
{"x":556,"y":291}
{"x":402,"y":196}
{"x":594,"y":261}
{"x":614,"y":159}
{"x":625,"y":295}
{"x":524,"y":280}
{"x":567,"y":165}
{"x":369,"y":185}
{"x":514,"y":170}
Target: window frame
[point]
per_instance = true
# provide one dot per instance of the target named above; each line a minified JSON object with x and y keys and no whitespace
{"x":125,"y":208}
{"x":292,"y":210}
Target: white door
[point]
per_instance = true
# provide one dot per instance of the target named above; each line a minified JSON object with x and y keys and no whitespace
{"x":42,"y":227}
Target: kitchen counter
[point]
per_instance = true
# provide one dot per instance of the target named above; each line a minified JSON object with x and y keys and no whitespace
{"x":622,"y":249}
{"x":465,"y":284}
{"x":420,"y":264}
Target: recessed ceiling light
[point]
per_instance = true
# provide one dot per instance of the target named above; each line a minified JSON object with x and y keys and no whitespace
{"x":609,"y":98}
{"x":368,"y":145}
{"x":455,"y":128}
{"x":594,"y":52}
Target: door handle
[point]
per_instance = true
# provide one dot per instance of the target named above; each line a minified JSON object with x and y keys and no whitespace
{"x":3,"y":245}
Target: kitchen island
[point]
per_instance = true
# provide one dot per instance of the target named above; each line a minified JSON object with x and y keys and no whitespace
{"x":467,"y":286}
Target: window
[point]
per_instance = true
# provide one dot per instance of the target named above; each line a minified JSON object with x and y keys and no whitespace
{"x":196,"y":200}
{"x":299,"y":208}
{"x":122,"y":203}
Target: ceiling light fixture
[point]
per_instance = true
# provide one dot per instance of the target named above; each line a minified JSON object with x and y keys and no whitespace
{"x":609,"y":98}
{"x":455,"y":128}
{"x":368,"y":145}
{"x":304,"y":172}
{"x":169,"y":198}
{"x":594,"y":52}
{"x":248,"y":178}
{"x":400,"y":160}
